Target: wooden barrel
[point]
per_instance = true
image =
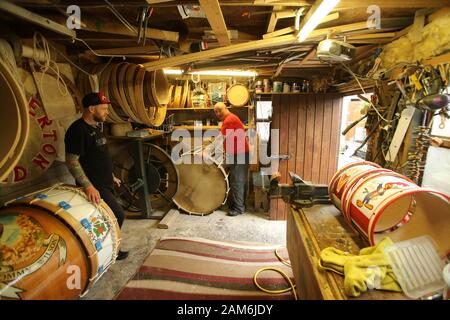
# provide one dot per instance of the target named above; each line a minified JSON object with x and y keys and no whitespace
{"x":238,"y":95}
{"x":15,"y":124}
{"x":382,"y":203}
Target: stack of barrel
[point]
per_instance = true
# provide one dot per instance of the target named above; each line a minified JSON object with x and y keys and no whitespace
{"x":136,"y":95}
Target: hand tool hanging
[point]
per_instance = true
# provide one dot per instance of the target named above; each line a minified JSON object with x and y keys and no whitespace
{"x":142,"y":20}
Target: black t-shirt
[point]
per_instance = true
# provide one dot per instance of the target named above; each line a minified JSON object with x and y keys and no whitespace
{"x":89,"y":143}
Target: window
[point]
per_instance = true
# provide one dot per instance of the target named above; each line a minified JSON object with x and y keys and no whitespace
{"x":263,"y":118}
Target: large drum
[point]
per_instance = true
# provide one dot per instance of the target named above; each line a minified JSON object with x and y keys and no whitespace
{"x":203,"y":184}
{"x":238,"y":95}
{"x":15,"y":124}
{"x":55,"y":244}
{"x":381,"y":203}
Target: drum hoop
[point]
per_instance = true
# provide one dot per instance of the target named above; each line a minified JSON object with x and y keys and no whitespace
{"x":347,"y":166}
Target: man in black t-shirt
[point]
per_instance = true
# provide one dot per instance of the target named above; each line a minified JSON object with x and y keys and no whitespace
{"x":88,"y":158}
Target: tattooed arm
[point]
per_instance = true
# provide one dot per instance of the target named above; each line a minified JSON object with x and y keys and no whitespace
{"x":74,"y":166}
{"x":73,"y":163}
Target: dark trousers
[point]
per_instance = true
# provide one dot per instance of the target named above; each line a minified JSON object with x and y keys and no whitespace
{"x":238,"y":184}
{"x":108,"y":196}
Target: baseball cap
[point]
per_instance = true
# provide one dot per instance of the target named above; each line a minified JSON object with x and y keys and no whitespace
{"x":94,"y":98}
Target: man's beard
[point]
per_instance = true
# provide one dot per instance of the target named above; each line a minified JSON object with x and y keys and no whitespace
{"x":98,"y":119}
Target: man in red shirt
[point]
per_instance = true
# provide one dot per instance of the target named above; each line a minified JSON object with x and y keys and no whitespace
{"x":237,"y":156}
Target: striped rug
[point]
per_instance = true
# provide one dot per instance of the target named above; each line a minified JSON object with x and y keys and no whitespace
{"x":194,"y":268}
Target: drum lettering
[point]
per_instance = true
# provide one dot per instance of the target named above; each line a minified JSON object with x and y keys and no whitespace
{"x":33,"y":105}
{"x":48,"y":149}
{"x":41,"y":161}
{"x":44,"y":121}
{"x":53,"y":134}
{"x":20,"y":173}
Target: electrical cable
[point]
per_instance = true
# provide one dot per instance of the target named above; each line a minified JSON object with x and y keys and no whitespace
{"x":45,"y":62}
{"x":291,"y":287}
{"x":362,"y":89}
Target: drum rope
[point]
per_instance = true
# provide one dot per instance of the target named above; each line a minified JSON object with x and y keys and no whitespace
{"x":7,"y":55}
{"x":291,"y":287}
{"x":45,"y":63}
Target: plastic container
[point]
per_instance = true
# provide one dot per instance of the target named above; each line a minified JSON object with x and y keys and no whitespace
{"x":417,"y":266}
{"x":277,"y":86}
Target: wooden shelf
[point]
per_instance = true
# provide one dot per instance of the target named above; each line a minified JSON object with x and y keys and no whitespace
{"x":270,"y":93}
{"x":203,"y":127}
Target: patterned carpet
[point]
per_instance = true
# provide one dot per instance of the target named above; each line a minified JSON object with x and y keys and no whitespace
{"x":198,"y":269}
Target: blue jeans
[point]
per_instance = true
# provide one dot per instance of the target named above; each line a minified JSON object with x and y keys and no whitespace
{"x":238,"y":183}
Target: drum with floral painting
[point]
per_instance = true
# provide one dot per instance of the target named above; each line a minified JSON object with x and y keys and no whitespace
{"x":60,"y":222}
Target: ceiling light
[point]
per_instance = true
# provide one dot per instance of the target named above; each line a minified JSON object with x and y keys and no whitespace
{"x":321,"y":12}
{"x":236,"y":73}
{"x":173,"y":71}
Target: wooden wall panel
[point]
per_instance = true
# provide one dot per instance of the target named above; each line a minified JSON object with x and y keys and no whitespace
{"x":309,"y":127}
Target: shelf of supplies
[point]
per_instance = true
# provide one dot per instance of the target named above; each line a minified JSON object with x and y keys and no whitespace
{"x":203,"y":109}
{"x":270,"y":93}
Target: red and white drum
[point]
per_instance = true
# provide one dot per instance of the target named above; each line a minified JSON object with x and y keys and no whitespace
{"x":343,"y":178}
{"x":383,"y":203}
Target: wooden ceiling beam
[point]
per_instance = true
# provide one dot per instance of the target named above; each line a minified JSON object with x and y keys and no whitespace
{"x":216,"y":20}
{"x":310,"y":54}
{"x":106,"y":26}
{"x":385,"y":4}
{"x":36,"y":19}
{"x":285,"y":40}
{"x":299,"y":3}
{"x":273,"y":19}
{"x":141,"y":50}
{"x":330,"y":17}
{"x":372,"y":36}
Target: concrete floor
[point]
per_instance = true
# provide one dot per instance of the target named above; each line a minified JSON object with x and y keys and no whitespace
{"x":141,"y":236}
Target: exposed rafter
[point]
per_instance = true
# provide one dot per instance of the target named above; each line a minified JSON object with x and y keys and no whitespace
{"x":216,"y":20}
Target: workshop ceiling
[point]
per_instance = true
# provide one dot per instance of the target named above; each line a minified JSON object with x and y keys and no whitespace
{"x":246,"y":21}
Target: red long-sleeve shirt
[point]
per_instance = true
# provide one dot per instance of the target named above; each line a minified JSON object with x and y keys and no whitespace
{"x":233,"y":131}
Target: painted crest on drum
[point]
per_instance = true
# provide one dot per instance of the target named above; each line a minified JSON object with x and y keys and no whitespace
{"x":97,"y":228}
{"x":24,"y":249}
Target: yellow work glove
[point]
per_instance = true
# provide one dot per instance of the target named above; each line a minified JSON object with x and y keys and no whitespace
{"x":368,"y":270}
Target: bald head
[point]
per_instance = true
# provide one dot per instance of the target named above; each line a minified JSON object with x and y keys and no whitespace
{"x":221,"y":110}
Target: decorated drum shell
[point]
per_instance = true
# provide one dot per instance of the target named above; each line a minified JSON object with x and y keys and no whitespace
{"x":345,"y":175}
{"x":40,"y":256}
{"x":95,"y":226}
{"x":387,"y":204}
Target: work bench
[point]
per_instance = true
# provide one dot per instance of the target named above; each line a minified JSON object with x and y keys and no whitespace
{"x":310,"y":230}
